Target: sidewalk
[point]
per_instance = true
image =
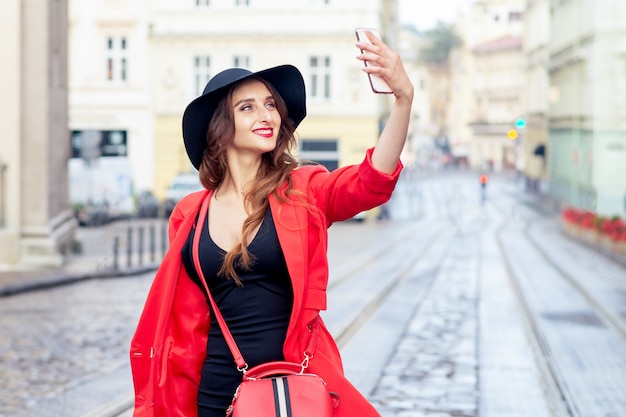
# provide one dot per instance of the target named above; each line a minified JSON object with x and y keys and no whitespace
{"x":97,"y":259}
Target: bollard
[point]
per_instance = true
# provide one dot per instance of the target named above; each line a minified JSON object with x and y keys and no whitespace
{"x":129,"y":248}
{"x":140,"y":248}
{"x":152,"y":244}
{"x":116,"y":248}
{"x":163,"y":238}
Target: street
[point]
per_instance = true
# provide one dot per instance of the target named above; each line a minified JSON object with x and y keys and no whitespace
{"x":452,"y":307}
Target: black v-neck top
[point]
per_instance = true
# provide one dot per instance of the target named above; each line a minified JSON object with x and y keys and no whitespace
{"x":257,"y":313}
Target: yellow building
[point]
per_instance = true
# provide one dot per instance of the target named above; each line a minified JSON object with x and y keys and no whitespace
{"x":190,"y":43}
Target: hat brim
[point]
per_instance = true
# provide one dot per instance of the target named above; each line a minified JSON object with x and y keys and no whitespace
{"x":287,"y":80}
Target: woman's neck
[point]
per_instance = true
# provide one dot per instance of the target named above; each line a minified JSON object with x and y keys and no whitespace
{"x":241,"y":173}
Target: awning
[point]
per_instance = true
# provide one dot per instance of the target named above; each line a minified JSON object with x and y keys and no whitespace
{"x":540,"y":150}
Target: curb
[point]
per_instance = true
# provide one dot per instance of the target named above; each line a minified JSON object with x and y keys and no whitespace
{"x":69,"y":278}
{"x":114,"y":408}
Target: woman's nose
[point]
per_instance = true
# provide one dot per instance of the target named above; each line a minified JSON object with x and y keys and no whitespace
{"x":264,"y":114}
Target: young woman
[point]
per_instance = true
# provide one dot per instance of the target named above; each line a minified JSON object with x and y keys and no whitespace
{"x":263,"y":245}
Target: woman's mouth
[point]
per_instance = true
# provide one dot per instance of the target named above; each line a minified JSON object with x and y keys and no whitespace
{"x":266,"y":133}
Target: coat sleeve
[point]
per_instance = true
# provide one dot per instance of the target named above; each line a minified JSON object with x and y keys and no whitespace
{"x":346,"y":191}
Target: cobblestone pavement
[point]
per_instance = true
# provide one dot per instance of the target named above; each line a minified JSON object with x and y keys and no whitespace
{"x":464,"y":349}
{"x":433,"y":371}
{"x":65,"y":348}
{"x":54,"y":341}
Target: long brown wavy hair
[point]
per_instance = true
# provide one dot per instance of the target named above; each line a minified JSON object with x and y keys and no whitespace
{"x":275,"y":170}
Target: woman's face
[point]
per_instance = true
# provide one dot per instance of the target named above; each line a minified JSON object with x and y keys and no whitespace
{"x":257,"y":121}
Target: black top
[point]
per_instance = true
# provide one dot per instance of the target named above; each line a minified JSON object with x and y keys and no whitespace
{"x":257,"y":313}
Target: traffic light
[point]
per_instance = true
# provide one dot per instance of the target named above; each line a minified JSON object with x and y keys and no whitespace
{"x":512,"y":134}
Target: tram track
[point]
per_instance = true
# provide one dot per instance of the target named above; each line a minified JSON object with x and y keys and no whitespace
{"x":401,"y":273}
{"x":556,"y":394}
{"x":608,"y":316}
{"x":560,"y":391}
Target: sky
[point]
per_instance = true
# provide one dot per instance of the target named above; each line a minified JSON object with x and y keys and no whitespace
{"x":424,"y":14}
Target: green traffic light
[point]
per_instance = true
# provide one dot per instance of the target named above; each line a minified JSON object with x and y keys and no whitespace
{"x":520,"y":123}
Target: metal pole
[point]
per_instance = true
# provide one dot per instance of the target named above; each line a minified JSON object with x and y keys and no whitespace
{"x":163,"y":238}
{"x":152,"y":244}
{"x":3,"y":168}
{"x":116,"y":248}
{"x":129,"y":247}
{"x":140,"y":242}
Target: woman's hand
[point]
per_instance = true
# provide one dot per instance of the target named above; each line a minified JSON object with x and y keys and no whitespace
{"x":389,"y":66}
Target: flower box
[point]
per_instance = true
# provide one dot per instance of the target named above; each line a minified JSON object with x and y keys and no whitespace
{"x":607,"y":232}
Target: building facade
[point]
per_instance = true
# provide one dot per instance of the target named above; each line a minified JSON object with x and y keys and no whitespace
{"x":110,"y":119}
{"x":537,"y":93}
{"x":190,"y":42}
{"x":487,"y":78}
{"x":587,"y":111}
{"x":36,"y":223}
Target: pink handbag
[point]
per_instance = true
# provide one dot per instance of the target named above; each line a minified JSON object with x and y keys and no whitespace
{"x":272,"y":389}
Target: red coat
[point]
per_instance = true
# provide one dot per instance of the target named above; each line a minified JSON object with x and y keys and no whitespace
{"x":169,"y":345}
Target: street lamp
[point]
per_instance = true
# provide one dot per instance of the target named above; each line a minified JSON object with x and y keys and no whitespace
{"x":3,"y":168}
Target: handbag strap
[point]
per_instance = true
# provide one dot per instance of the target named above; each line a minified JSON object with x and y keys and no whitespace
{"x":241,"y":363}
{"x":230,"y":340}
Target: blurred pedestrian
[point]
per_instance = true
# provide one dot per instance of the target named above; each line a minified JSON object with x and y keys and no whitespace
{"x":384,"y":214}
{"x":263,"y":245}
{"x":484,"y":180}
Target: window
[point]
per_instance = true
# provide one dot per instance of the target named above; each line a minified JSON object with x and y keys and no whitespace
{"x":319,"y":68}
{"x":241,"y":61}
{"x":202,"y":3}
{"x":116,"y":59}
{"x":91,"y":144}
{"x":242,"y":2}
{"x":323,"y":151}
{"x":202,"y":73}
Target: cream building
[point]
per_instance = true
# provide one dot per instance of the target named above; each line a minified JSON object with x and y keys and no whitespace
{"x":109,"y":102}
{"x":134,"y":66}
{"x":487,"y":75}
{"x":192,"y":41}
{"x":36,"y":223}
{"x":422,"y":128}
{"x":587,"y":113}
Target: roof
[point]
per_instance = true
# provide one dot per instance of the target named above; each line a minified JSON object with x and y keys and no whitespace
{"x":500,"y":44}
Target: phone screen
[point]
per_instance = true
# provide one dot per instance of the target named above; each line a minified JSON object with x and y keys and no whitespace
{"x":378,"y":84}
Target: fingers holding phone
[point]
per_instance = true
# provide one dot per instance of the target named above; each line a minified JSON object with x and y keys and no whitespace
{"x":382,"y":65}
{"x":377,"y":82}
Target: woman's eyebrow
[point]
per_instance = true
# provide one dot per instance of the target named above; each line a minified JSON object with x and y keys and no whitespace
{"x":251,"y":100}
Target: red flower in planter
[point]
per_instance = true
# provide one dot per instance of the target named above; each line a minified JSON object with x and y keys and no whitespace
{"x":588,"y":220}
{"x":571,"y":215}
{"x":614,"y":228}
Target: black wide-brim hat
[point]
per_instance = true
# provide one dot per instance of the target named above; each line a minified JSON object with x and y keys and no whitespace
{"x":285,"y":78}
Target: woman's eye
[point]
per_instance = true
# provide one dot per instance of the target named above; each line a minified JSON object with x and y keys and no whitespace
{"x":246,"y":107}
{"x":271,"y":105}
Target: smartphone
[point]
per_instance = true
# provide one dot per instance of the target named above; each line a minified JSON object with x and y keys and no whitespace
{"x":379,"y":85}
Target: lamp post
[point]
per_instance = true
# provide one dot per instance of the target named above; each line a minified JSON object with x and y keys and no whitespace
{"x":3,"y":168}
